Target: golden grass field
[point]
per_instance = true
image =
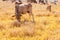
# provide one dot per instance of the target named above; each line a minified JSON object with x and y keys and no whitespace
{"x":46,"y":27}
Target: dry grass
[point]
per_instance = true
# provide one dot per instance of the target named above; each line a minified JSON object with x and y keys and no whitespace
{"x":46,"y":27}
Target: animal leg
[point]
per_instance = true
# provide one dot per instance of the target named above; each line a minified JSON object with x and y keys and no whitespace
{"x":17,"y":13}
{"x":31,"y":15}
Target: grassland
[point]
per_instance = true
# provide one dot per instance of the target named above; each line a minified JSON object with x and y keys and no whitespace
{"x":46,"y":27}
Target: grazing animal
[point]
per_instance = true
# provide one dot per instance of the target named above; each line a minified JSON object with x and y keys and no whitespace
{"x":54,"y":1}
{"x":16,"y":1}
{"x":32,"y":1}
{"x":49,"y":8}
{"x":4,"y":0}
{"x":23,"y":9}
{"x":43,"y":1}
